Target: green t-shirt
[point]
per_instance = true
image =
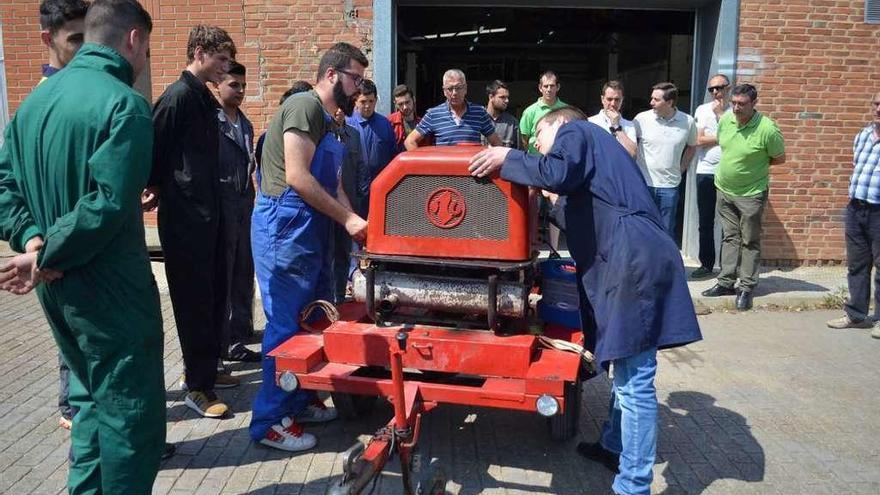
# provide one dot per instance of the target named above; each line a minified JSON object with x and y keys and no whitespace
{"x":303,"y":112}
{"x":744,"y":169}
{"x":530,"y":117}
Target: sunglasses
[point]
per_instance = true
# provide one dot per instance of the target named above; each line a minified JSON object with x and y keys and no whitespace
{"x":713,"y":89}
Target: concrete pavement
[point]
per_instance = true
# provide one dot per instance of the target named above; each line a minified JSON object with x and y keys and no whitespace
{"x":770,"y":402}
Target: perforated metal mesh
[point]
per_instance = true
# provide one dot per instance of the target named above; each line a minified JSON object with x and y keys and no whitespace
{"x":486,"y":216}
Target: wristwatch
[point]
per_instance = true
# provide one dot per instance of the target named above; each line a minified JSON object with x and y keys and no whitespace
{"x":614,"y":130}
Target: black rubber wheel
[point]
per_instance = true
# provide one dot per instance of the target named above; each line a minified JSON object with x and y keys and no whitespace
{"x":352,"y":406}
{"x":564,"y":426}
{"x":432,"y":480}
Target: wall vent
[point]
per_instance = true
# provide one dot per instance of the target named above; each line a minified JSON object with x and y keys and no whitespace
{"x":872,"y":11}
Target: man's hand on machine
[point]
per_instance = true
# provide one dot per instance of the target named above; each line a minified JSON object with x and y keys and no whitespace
{"x":488,"y":161}
{"x":356,"y":228}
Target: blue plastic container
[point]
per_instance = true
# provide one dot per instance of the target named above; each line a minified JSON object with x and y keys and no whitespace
{"x":559,"y":302}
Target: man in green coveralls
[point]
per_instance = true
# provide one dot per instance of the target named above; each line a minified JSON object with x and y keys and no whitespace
{"x":75,"y":159}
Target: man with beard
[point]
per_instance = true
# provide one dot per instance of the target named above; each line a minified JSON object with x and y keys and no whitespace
{"x":299,"y":199}
{"x":185,"y":156}
{"x":506,"y":125}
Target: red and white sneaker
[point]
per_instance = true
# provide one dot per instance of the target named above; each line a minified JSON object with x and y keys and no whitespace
{"x":289,"y":436}
{"x":317,"y":412}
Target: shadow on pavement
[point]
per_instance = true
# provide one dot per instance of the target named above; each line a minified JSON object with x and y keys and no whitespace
{"x":775,"y":285}
{"x":701,"y":443}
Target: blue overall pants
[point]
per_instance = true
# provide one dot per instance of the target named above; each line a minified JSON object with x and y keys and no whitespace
{"x":293,"y":260}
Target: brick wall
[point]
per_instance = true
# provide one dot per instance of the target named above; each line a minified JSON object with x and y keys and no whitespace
{"x":814,"y":63}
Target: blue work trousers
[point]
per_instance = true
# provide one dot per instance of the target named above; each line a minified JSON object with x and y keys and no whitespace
{"x":293,"y":261}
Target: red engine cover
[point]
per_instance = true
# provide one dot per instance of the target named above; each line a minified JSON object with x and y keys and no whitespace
{"x":425,"y":203}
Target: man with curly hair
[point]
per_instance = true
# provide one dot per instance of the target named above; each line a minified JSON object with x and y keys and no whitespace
{"x":184,"y":184}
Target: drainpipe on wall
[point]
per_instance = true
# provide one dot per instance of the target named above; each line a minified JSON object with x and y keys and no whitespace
{"x":4,"y":99}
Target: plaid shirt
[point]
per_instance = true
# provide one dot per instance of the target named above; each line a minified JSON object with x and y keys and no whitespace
{"x":865,"y":183}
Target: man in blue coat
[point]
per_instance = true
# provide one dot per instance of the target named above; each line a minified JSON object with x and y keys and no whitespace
{"x":632,"y":281}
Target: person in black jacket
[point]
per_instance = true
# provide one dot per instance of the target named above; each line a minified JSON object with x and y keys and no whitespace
{"x":236,"y":205}
{"x":185,"y":177}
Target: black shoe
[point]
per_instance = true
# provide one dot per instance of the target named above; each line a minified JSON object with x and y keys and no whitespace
{"x":701,"y":273}
{"x":744,"y":300}
{"x":169,"y":451}
{"x":241,"y":353}
{"x":595,"y":452}
{"x":718,"y":290}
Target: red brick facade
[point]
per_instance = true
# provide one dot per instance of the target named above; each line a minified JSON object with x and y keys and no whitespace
{"x":814,"y":63}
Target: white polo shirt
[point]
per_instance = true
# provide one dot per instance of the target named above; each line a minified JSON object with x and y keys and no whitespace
{"x":601,"y":120}
{"x":707,"y":158}
{"x":661,"y":143}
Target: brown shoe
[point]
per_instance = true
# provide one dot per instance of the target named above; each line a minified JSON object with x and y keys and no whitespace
{"x":207,"y":404}
{"x":847,"y":322}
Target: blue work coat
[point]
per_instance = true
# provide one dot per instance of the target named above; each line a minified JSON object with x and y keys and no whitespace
{"x":632,"y":287}
{"x":378,"y":148}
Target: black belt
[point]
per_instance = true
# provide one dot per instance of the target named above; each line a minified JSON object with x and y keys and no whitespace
{"x":858,"y":203}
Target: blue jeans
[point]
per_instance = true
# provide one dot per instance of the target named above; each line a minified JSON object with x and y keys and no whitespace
{"x":631,"y":429}
{"x":666,"y":199}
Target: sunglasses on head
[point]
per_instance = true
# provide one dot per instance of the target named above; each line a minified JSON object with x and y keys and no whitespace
{"x":713,"y":89}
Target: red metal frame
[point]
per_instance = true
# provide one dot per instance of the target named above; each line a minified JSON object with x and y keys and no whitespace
{"x":510,"y":372}
{"x":446,"y":161}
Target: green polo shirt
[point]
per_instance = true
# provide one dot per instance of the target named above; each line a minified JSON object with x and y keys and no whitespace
{"x":744,"y":169}
{"x":532,"y":115}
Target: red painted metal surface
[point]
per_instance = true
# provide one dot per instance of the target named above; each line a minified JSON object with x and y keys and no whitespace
{"x":446,"y":209}
{"x":509,"y":372}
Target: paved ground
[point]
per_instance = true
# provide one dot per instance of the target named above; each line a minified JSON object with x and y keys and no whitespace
{"x":770,"y":402}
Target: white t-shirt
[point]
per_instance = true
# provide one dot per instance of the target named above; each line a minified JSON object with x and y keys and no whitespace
{"x":661,"y":143}
{"x":601,"y":120}
{"x":707,"y":158}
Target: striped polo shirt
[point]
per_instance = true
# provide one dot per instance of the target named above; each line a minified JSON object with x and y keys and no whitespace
{"x":440,"y":123}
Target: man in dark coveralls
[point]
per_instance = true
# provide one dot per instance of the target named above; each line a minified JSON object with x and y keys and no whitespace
{"x":185,"y":163}
{"x":632,"y":287}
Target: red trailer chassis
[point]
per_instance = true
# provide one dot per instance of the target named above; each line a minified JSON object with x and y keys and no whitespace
{"x":419,"y":366}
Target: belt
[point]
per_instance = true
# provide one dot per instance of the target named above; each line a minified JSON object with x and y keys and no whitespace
{"x":859,"y":203}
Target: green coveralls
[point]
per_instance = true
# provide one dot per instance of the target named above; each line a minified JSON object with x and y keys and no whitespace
{"x":75,"y":159}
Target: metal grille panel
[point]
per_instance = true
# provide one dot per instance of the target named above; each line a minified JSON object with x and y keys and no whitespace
{"x":486,"y":216}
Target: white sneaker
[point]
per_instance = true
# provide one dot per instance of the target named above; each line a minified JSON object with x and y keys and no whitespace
{"x":289,"y":436}
{"x":317,"y":412}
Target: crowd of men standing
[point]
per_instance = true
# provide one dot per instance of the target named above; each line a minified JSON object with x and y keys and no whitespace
{"x":289,"y":210}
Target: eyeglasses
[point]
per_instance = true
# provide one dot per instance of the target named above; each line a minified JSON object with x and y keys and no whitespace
{"x":356,"y":78}
{"x":453,"y":89}
{"x":713,"y":89}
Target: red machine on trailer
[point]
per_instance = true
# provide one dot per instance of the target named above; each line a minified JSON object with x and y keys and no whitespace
{"x":442,"y":314}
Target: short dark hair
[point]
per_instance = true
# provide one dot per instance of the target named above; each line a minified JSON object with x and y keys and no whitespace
{"x":236,"y":69}
{"x":212,"y":39}
{"x":548,"y":74}
{"x":109,"y":21}
{"x":494,"y":86}
{"x":367,"y":88}
{"x":567,"y":112}
{"x":297,"y":87}
{"x":401,"y":90}
{"x":745,"y":89}
{"x":670,"y":92}
{"x":55,"y":13}
{"x":613,"y":84}
{"x":339,"y":56}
